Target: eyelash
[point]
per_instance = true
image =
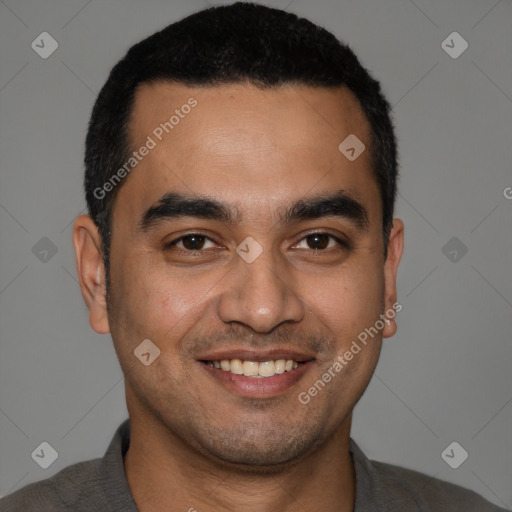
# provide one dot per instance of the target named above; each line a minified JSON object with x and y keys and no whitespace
{"x":342,"y":243}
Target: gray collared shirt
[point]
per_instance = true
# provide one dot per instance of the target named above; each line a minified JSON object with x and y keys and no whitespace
{"x":101,"y":485}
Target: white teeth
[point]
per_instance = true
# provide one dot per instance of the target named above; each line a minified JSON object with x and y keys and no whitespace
{"x":279,"y":366}
{"x":236,"y":367}
{"x":267,"y":369}
{"x":255,"y":369}
{"x":250,"y":368}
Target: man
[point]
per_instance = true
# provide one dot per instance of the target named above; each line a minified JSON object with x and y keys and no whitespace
{"x":240,"y":177}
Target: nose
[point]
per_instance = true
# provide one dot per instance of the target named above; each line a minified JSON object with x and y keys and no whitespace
{"x":260,"y":295}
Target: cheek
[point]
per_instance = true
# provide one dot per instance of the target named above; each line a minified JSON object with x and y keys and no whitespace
{"x":156,"y":302}
{"x":348,"y":300}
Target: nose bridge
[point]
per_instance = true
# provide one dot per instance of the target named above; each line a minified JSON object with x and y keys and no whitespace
{"x":263,"y":287}
{"x":258,"y":292}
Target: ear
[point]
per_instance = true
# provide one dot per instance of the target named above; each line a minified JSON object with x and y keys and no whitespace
{"x":395,"y":249}
{"x":91,"y":271}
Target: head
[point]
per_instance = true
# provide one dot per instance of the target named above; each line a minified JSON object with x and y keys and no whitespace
{"x":205,"y":244}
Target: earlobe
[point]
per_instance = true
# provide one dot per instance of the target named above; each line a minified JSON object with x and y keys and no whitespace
{"x":395,"y":250}
{"x":91,"y":271}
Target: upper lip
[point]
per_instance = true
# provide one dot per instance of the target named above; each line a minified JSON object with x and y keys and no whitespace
{"x":256,"y":355}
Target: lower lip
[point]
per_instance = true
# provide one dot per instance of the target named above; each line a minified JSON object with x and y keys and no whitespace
{"x":258,"y":388}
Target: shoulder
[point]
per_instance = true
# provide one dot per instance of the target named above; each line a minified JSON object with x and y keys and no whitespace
{"x":72,"y":488}
{"x":428,"y":493}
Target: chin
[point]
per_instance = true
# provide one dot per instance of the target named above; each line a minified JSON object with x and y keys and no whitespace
{"x":264,"y":450}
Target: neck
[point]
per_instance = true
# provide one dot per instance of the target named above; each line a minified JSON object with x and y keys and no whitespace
{"x":163,"y":473}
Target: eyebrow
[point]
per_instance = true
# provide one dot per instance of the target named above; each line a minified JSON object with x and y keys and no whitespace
{"x":174,"y":206}
{"x":338,"y":204}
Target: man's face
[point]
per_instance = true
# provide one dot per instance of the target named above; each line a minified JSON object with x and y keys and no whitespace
{"x":304,"y":298}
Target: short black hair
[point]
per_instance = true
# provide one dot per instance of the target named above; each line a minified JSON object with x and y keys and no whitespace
{"x":239,"y":43}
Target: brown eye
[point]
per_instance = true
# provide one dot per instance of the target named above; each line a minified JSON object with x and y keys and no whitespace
{"x":192,"y":242}
{"x":322,"y":241}
{"x":318,"y":240}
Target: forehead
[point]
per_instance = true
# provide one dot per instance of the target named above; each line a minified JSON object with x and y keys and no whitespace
{"x":245,"y":145}
{"x":302,"y":111}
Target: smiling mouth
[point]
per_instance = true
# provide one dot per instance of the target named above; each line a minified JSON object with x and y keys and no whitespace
{"x":256,"y":369}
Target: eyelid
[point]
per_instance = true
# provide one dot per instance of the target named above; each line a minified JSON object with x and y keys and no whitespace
{"x":340,"y":240}
{"x":175,"y":241}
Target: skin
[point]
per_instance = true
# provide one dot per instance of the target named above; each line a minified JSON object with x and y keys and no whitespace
{"x":195,"y":443}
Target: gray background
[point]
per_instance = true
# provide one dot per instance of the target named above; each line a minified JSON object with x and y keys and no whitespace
{"x":444,"y":377}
